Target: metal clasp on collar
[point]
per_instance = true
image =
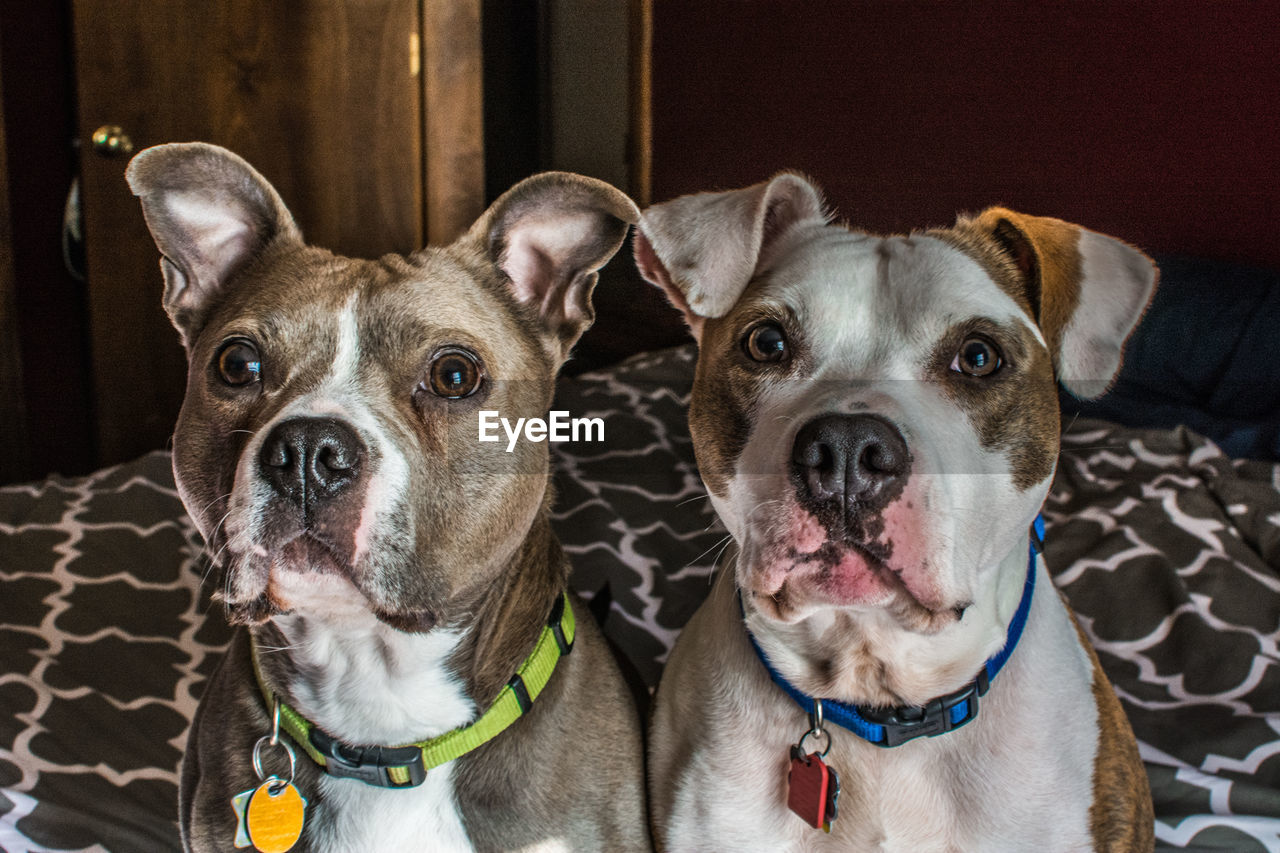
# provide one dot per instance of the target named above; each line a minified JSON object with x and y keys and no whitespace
{"x":940,"y":716}
{"x":816,"y":730}
{"x":370,"y":764}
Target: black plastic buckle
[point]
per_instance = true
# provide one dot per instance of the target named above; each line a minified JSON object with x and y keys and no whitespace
{"x":557,"y":630}
{"x":369,"y":764}
{"x":909,"y":722}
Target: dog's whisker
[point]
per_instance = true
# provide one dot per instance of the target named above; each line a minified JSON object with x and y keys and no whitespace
{"x":274,"y":649}
{"x":214,"y":557}
{"x":728,"y":540}
{"x":214,"y":501}
{"x":720,"y":543}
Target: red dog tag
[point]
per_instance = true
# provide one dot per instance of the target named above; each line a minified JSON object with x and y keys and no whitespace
{"x":812,"y":788}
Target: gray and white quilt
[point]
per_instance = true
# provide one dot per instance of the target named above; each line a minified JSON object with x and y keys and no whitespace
{"x":1168,"y":551}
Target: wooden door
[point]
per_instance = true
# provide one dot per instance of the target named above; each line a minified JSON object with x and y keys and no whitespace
{"x":326,"y":98}
{"x":13,"y":415}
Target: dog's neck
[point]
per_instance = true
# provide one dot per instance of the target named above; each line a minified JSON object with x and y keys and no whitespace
{"x":508,"y":614}
{"x":367,"y":683}
{"x":866,"y":657}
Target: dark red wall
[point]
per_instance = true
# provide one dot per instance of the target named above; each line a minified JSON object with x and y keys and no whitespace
{"x":1155,"y":121}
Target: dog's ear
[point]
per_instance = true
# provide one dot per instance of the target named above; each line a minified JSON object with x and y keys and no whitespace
{"x":210,"y":212}
{"x":703,"y":249}
{"x":550,"y":234}
{"x":1087,"y":291}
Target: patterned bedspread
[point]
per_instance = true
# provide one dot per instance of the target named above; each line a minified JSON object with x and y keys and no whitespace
{"x":1168,"y":550}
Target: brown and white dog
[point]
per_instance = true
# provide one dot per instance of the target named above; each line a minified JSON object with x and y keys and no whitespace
{"x":391,"y":571}
{"x":876,"y":421}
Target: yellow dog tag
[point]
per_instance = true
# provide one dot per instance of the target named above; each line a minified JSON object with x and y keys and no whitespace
{"x":270,"y":817}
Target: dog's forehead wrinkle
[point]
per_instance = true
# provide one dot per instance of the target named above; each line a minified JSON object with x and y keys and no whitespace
{"x":851,"y":291}
{"x":444,"y":300}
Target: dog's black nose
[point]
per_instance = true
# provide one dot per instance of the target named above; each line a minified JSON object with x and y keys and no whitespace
{"x":308,"y":460}
{"x":858,"y":461}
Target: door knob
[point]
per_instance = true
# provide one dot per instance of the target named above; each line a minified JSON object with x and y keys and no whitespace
{"x":110,"y":140}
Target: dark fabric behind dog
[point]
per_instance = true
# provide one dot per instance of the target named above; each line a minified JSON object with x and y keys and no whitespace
{"x":1207,"y":355}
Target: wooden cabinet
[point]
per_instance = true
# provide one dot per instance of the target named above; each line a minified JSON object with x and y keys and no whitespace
{"x":367,"y":116}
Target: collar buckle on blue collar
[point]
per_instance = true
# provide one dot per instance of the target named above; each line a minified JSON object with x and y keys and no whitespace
{"x":943,"y":714}
{"x":888,"y":727}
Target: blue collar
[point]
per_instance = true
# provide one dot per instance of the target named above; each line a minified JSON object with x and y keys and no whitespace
{"x":894,"y":726}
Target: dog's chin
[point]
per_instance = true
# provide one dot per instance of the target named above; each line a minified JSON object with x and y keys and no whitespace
{"x":263,"y":609}
{"x":791,"y":604}
{"x":304,"y":578}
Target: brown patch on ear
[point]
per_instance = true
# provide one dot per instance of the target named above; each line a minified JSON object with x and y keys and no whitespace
{"x":1047,"y":251}
{"x":1044,"y":255}
{"x":1087,"y":291}
{"x":1122,"y":817}
{"x":1017,"y":248}
{"x":999,"y":264}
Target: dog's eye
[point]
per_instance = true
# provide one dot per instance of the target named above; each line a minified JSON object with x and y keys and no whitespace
{"x":765,"y":342}
{"x":977,"y":357}
{"x":239,"y":363}
{"x":455,"y":373}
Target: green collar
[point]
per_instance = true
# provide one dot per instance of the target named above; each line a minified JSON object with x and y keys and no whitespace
{"x":406,"y":766}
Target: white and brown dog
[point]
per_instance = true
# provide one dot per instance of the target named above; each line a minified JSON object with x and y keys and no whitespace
{"x":876,"y":421}
{"x":410,"y":673}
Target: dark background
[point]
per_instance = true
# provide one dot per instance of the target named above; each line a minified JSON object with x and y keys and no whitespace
{"x":1158,"y":122}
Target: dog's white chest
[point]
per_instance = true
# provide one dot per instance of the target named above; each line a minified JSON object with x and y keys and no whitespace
{"x":361,"y":817}
{"x":380,"y":686}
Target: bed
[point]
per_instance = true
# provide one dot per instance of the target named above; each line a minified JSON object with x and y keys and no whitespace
{"x":1165,"y":542}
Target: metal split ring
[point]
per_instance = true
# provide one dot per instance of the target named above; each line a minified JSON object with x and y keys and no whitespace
{"x":257,"y":759}
{"x":273,"y":740}
{"x":816,"y":733}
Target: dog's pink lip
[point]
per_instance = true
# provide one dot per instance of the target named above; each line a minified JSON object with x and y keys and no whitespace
{"x":874,"y":584}
{"x":854,"y":584}
{"x":895,"y":579}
